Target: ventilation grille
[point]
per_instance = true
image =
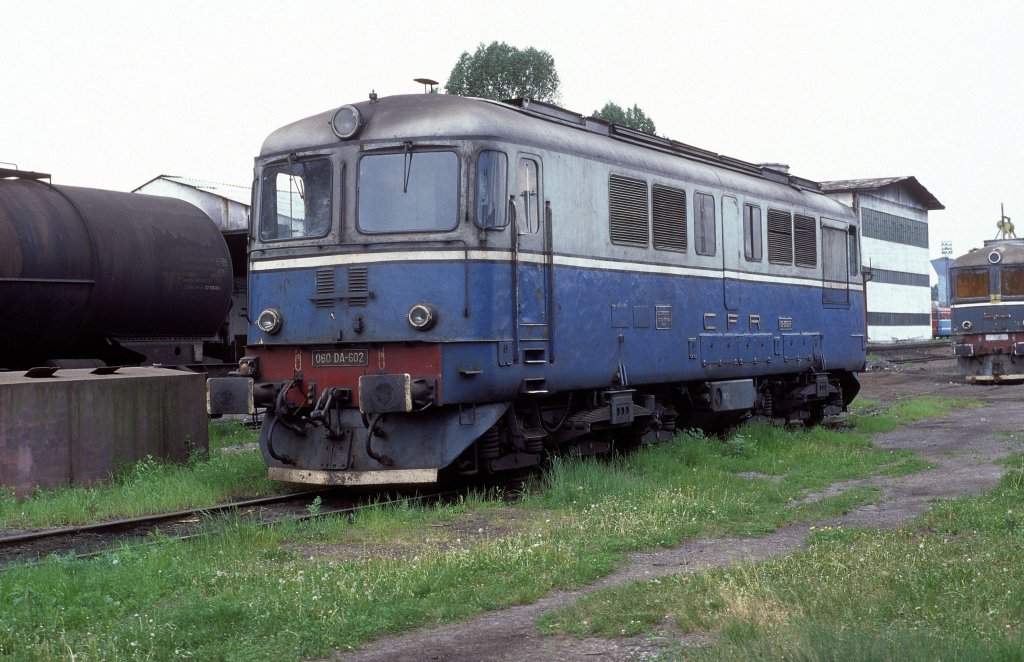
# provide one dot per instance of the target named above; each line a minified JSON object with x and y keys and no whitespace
{"x":358,"y":291}
{"x":805,"y":241}
{"x":780,"y":237}
{"x":669,"y":226}
{"x":627,"y":211}
{"x":324,"y":297}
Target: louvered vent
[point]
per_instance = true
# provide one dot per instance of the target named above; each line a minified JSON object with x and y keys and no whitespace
{"x":780,"y":237}
{"x":805,"y":241}
{"x":358,"y":292}
{"x":324,"y":297}
{"x":669,"y":224}
{"x":627,"y":210}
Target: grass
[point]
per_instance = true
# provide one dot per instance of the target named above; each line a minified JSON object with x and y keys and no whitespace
{"x":697,"y":486}
{"x":150,"y":486}
{"x":871,"y":417}
{"x":947,"y":589}
{"x":310,"y":589}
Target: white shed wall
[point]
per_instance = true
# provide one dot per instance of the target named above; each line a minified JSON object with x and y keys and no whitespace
{"x":879,"y":254}
{"x":899,"y":257}
{"x":885,"y":297}
{"x":883,"y":334}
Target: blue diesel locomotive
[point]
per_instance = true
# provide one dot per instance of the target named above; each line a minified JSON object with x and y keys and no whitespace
{"x":442,"y":285}
{"x":987,"y":311}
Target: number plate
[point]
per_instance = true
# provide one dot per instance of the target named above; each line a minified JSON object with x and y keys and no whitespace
{"x":340,"y":358}
{"x":997,"y":336}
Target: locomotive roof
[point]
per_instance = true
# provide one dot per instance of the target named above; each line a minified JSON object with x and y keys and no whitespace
{"x":444,"y":117}
{"x":1009,"y":251}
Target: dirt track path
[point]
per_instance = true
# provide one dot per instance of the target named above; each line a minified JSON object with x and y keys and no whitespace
{"x":963,"y":445}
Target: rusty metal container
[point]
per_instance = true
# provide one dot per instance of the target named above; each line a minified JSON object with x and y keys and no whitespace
{"x":81,"y":266}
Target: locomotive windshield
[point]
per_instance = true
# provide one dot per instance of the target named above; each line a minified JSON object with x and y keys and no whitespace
{"x":296,"y":200}
{"x":972,"y":284}
{"x":408,"y":192}
{"x":1011,"y":281}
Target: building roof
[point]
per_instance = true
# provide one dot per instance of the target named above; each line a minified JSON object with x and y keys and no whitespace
{"x":915,"y":187}
{"x":232,"y":192}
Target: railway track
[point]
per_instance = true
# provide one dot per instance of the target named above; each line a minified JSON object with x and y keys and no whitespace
{"x":901,"y":346}
{"x":912,"y":352}
{"x":87,"y":539}
{"x":91,"y":539}
{"x":920,"y":359}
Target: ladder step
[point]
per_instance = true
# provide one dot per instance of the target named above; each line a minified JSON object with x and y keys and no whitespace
{"x":534,"y":386}
{"x":535,"y":355}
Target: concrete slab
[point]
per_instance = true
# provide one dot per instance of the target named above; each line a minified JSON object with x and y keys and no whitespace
{"x":77,"y":427}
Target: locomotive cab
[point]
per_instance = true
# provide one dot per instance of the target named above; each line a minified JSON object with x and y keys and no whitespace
{"x":380,"y":314}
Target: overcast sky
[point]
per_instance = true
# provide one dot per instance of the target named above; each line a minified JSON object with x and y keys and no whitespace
{"x":111,"y":94}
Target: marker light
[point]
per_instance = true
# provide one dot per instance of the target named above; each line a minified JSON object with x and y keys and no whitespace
{"x":270,"y":321}
{"x":422,"y":316}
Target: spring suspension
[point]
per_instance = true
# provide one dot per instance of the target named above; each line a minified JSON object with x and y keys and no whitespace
{"x":533,"y":445}
{"x":668,"y":420}
{"x":487,"y":446}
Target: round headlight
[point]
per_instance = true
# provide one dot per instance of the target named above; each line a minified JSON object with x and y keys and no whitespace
{"x":422,"y":316}
{"x":346,"y":122}
{"x":270,"y":321}
{"x":995,"y":257}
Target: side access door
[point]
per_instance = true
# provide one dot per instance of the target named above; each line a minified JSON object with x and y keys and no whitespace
{"x":531,"y":254}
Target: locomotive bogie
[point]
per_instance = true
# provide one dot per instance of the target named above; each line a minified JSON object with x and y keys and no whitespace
{"x":469,"y":293}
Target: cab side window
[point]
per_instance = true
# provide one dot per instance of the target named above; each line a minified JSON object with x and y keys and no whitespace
{"x":527,"y":197}
{"x":491,"y":185}
{"x":752,"y":233}
{"x":296,"y":200}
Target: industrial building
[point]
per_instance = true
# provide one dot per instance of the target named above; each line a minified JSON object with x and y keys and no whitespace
{"x":893,"y":214}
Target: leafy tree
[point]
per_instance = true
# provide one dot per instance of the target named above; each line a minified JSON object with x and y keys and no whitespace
{"x":500,"y":71}
{"x":633,"y":118}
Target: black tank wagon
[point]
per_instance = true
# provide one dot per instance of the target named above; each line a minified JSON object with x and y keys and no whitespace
{"x":122,"y":278}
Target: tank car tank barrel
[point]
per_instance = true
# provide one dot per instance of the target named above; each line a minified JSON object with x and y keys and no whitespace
{"x":81,"y":264}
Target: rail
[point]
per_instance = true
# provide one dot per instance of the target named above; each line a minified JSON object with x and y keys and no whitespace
{"x":91,"y":539}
